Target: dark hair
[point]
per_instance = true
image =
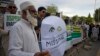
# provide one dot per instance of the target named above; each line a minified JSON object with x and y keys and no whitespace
{"x":11,"y":4}
{"x":41,"y":8}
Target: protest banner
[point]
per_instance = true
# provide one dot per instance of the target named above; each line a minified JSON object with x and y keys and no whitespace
{"x":10,"y":20}
{"x":53,"y":36}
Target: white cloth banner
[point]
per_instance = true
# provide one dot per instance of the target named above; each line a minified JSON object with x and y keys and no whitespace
{"x":10,"y":20}
{"x":53,"y":35}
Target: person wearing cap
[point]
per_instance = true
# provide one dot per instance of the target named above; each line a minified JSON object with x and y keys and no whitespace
{"x":23,"y":39}
{"x":9,"y":9}
{"x":2,"y":11}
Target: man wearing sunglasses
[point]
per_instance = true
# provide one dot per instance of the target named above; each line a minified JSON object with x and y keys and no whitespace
{"x":11,"y":8}
{"x":40,"y":17}
{"x":23,"y":40}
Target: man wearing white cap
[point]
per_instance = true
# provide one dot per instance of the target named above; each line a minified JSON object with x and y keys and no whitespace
{"x":23,"y":40}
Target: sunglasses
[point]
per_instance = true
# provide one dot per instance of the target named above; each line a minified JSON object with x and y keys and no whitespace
{"x":44,"y":11}
{"x":12,"y":7}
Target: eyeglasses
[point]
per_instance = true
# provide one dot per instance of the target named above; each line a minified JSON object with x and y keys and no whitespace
{"x":12,"y":7}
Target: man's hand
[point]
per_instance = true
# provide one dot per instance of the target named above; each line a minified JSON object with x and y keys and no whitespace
{"x":38,"y":54}
{"x":46,"y":53}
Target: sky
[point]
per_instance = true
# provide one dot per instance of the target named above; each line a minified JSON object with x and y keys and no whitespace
{"x":68,"y":7}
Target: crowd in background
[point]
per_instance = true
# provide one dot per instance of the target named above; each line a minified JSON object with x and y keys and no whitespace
{"x":92,"y":31}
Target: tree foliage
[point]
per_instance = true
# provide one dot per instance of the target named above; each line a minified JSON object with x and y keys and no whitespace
{"x":82,"y":19}
{"x":89,"y":19}
{"x":97,"y":15}
{"x":75,"y":19}
{"x":52,"y":9}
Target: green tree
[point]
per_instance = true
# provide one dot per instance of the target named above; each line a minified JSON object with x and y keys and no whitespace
{"x":89,"y":19}
{"x":64,"y":17}
{"x":75,"y":19}
{"x":52,"y":9}
{"x":82,"y":19}
{"x":97,"y":15}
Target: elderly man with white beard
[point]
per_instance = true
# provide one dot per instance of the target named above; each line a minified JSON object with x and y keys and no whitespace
{"x":23,"y":40}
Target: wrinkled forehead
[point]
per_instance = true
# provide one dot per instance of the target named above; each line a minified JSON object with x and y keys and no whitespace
{"x":31,"y":7}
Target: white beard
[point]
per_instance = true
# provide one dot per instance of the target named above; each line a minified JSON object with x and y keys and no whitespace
{"x":31,"y":19}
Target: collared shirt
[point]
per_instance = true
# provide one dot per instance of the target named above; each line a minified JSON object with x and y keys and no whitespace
{"x":23,"y":40}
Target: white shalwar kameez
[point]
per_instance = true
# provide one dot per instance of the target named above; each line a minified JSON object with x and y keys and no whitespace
{"x":95,"y":32}
{"x":23,"y":40}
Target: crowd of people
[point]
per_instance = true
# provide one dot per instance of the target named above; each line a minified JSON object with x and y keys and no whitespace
{"x":92,"y":31}
{"x":24,"y":37}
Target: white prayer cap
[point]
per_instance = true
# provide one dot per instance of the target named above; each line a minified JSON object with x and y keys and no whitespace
{"x":25,"y":4}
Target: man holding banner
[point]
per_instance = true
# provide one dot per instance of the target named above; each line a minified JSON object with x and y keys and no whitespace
{"x":23,"y":40}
